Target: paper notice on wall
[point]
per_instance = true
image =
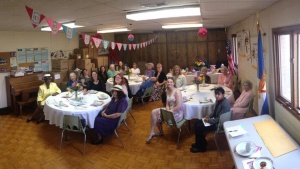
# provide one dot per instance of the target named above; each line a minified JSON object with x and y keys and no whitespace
{"x":45,"y":66}
{"x":37,"y":66}
{"x":57,"y":76}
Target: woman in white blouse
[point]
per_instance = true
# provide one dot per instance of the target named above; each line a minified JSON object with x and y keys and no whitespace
{"x":180,"y":80}
{"x":135,"y":70}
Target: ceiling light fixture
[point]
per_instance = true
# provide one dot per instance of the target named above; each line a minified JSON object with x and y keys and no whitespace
{"x":113,"y":30}
{"x":70,"y":25}
{"x":164,"y":13}
{"x":198,"y":25}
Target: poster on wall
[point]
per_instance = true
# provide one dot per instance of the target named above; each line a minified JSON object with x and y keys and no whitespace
{"x":33,"y":58}
{"x":243,"y":44}
{"x":253,"y":56}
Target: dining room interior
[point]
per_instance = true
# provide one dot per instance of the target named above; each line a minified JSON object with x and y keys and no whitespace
{"x":255,"y":42}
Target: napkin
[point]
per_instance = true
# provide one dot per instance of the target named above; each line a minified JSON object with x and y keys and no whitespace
{"x":257,"y":153}
{"x":248,"y":164}
{"x":236,"y":131}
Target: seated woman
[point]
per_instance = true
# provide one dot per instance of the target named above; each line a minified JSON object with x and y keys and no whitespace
{"x":204,"y":74}
{"x":103,"y":74}
{"x":111,"y":71}
{"x":180,"y":80}
{"x":94,"y":84}
{"x":174,"y":104}
{"x":121,"y":67}
{"x":135,"y":70}
{"x":240,"y":106}
{"x":222,"y":106}
{"x":47,"y":89}
{"x":159,"y":84}
{"x":107,"y":121}
{"x":84,"y":77}
{"x":73,"y":80}
{"x":225,"y":79}
{"x":120,"y":80}
{"x":149,"y":72}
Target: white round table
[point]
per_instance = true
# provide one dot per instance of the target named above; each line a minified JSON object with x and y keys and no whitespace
{"x":55,"y":113}
{"x":134,"y":83}
{"x":195,"y":103}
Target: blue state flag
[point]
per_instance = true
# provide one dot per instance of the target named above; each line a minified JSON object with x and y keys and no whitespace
{"x":263,"y":106}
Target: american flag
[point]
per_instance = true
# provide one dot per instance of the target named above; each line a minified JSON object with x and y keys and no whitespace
{"x":231,"y":66}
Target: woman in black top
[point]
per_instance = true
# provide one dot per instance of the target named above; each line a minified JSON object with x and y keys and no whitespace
{"x":94,"y":84}
{"x":103,"y":74}
{"x":159,"y":86}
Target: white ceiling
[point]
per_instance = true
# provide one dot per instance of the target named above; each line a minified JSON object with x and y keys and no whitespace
{"x":106,"y":14}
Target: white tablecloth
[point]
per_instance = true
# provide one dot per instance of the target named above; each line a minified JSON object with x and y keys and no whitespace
{"x":193,"y":109}
{"x":191,"y":75}
{"x":287,"y":161}
{"x":55,"y":114}
{"x":134,"y":83}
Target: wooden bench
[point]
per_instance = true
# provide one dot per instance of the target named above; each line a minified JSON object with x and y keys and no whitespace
{"x":28,"y":96}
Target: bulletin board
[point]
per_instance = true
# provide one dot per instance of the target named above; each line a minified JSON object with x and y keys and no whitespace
{"x":33,"y":58}
{"x":5,"y":61}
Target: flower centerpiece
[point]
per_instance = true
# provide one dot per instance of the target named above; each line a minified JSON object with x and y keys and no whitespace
{"x":75,"y":87}
{"x":198,"y":80}
{"x":129,"y":73}
{"x":199,"y":64}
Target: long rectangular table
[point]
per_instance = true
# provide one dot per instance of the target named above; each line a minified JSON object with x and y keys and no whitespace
{"x":289,"y":160}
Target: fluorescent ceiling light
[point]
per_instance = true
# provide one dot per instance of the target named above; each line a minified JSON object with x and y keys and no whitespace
{"x":113,"y":30}
{"x":164,"y":13}
{"x":70,"y":25}
{"x":198,"y":25}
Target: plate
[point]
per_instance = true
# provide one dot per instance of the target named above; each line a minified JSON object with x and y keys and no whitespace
{"x":241,"y":148}
{"x":67,"y":95}
{"x":102,"y":97}
{"x":268,"y":163}
{"x":204,"y":100}
{"x":93,"y":91}
{"x":97,"y":103}
{"x":204,"y":85}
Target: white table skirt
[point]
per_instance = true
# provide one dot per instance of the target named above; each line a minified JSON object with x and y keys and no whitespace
{"x":55,"y":114}
{"x":134,"y":83}
{"x":193,"y":109}
{"x":287,"y":161}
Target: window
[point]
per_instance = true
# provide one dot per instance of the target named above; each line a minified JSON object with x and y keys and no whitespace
{"x":287,"y":62}
{"x":234,"y":49}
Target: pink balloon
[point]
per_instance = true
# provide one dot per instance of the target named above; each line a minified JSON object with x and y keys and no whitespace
{"x":202,"y":32}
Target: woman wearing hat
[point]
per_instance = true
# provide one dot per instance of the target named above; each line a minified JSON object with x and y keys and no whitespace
{"x":107,"y":120}
{"x":47,"y":89}
{"x":149,"y":70}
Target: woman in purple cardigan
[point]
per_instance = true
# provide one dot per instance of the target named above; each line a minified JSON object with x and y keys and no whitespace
{"x":106,"y":122}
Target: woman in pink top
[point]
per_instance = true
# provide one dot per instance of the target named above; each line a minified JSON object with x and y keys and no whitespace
{"x":240,"y":106}
{"x":225,"y":79}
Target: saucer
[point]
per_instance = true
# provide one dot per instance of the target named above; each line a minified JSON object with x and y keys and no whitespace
{"x":267,"y":161}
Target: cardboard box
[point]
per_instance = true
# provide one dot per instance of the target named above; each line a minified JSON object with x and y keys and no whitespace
{"x":100,"y":61}
{"x":84,"y":52}
{"x":71,"y":64}
{"x":75,"y":56}
{"x":91,"y":51}
{"x":93,"y":65}
{"x":94,"y":69}
{"x":83,"y":63}
{"x":59,"y":77}
{"x":59,"y":65}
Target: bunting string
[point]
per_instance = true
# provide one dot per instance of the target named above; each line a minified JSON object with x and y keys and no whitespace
{"x":36,"y":18}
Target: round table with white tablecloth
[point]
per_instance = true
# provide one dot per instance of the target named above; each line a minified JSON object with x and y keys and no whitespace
{"x":86,"y":107}
{"x":134,"y":83}
{"x":197,"y":104}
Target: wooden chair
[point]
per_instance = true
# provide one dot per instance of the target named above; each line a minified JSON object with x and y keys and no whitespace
{"x":28,"y":96}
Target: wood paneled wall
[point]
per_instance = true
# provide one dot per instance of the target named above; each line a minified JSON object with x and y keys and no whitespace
{"x":171,"y":48}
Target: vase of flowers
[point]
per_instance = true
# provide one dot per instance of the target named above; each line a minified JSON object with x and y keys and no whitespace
{"x":198,"y":80}
{"x":129,"y":73}
{"x":199,"y":64}
{"x":75,"y":88}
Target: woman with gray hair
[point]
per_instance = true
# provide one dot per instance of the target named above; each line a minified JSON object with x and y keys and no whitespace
{"x":205,"y":76}
{"x":240,"y":106}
